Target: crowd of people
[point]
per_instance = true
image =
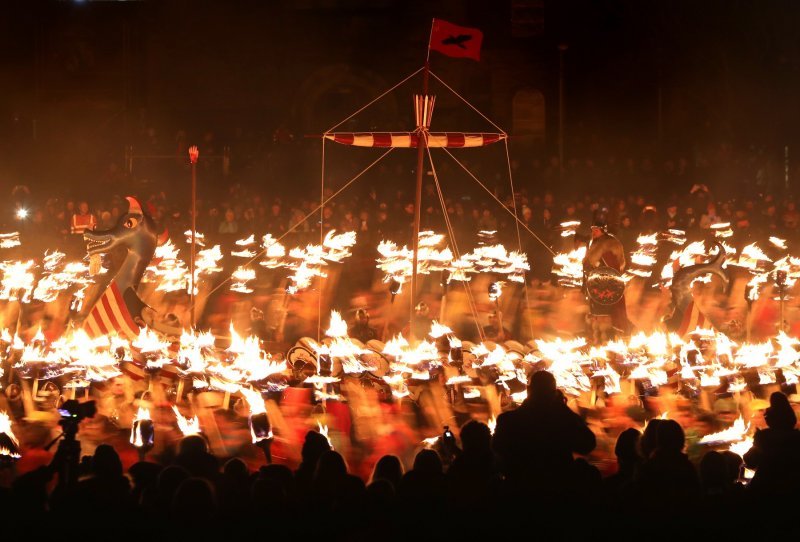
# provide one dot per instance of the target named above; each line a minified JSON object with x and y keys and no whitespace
{"x":617,"y":461}
{"x":479,"y":482}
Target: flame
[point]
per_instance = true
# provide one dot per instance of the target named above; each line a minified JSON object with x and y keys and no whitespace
{"x":9,"y":240}
{"x":5,"y":427}
{"x":149,"y":341}
{"x":778,"y":242}
{"x":492,"y":424}
{"x":568,"y":266}
{"x":240,"y":277}
{"x":199,"y":238}
{"x":734,"y":433}
{"x":254,"y":400}
{"x":136,"y":432}
{"x":187,"y":426}
{"x":742,"y":447}
{"x":337,"y":326}
{"x":438,"y":330}
{"x":323,"y":430}
{"x":17,"y":281}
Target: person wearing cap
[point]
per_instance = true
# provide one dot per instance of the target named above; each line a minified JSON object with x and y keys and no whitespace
{"x":606,"y":250}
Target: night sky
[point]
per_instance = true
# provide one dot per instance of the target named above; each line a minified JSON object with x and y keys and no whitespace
{"x":80,"y":80}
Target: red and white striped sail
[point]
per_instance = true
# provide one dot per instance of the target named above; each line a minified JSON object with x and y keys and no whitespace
{"x":410,"y":139}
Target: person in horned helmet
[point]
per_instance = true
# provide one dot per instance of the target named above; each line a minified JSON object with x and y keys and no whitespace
{"x":602,"y":267}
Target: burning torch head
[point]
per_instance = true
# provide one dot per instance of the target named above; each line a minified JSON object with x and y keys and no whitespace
{"x":260,"y":428}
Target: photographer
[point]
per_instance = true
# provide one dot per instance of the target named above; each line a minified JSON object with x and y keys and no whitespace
{"x":536,"y":442}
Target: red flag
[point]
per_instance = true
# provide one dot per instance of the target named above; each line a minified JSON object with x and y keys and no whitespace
{"x":456,"y":41}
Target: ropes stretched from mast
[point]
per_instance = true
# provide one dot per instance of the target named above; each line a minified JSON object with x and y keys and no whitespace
{"x":311,"y":213}
{"x":474,"y":178}
{"x":470,"y":299}
{"x":332,"y":128}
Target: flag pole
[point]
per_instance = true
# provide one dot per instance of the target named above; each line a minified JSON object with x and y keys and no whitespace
{"x":421,"y":146}
{"x":194,"y":153}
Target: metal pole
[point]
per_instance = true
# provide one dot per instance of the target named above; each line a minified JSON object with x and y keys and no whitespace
{"x":561,"y":48}
{"x":194,"y":153}
{"x":421,"y":146}
{"x":786,"y":167}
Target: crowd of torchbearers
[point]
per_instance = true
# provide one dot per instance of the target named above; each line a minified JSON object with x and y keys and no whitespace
{"x":690,"y":335}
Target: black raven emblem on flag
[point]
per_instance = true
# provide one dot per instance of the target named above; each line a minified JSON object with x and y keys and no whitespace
{"x":458,"y":41}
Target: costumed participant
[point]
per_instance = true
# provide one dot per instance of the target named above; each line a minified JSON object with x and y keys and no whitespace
{"x":360,"y":329}
{"x":603,"y":283}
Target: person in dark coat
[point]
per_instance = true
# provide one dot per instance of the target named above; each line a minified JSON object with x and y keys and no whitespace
{"x":668,"y":478}
{"x":535,"y":443}
{"x":775,"y":455}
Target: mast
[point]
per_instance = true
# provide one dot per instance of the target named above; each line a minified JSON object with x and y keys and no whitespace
{"x":423,"y":106}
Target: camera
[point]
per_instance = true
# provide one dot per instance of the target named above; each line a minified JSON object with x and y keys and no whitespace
{"x":448,"y":441}
{"x":73,"y":413}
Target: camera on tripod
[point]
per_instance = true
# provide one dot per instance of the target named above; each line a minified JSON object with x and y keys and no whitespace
{"x":73,"y":413}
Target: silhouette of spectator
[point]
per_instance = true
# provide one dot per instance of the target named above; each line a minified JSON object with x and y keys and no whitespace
{"x":194,"y":498}
{"x":106,"y":491}
{"x":273,"y":498}
{"x":423,"y":485}
{"x":234,"y":489}
{"x":193,"y":455}
{"x":167,"y":484}
{"x":620,"y":484}
{"x":473,"y":471}
{"x":668,"y":478}
{"x":535,"y":443}
{"x":775,"y":455}
{"x":332,"y":486}
{"x":390,"y":469}
{"x":314,"y":446}
{"x":145,"y":479}
{"x":648,"y":442}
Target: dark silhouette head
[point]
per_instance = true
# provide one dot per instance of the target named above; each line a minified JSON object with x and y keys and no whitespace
{"x":388,"y":468}
{"x":267,"y":493}
{"x":627,"y":447}
{"x":235,"y":468}
{"x":168,"y":481}
{"x":428,"y":462}
{"x":647,"y":443}
{"x":192,"y":445}
{"x":381,"y":492}
{"x":733,"y":465}
{"x":542,"y":387}
{"x":476,"y":438}
{"x":670,"y":437}
{"x":194,"y":498}
{"x":331,"y":466}
{"x":106,"y":462}
{"x":779,"y":414}
{"x":314,"y":446}
{"x":713,"y":471}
